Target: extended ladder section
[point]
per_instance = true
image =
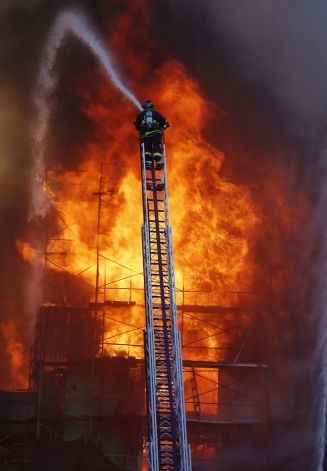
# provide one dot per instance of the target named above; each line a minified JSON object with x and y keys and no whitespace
{"x":167,"y":447}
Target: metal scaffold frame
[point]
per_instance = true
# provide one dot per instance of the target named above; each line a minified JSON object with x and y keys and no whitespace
{"x":167,"y":447}
{"x":226,"y":380}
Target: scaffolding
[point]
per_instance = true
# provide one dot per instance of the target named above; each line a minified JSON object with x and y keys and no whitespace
{"x":225,"y":349}
{"x":70,"y":371}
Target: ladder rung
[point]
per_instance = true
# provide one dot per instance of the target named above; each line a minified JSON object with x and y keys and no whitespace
{"x":159,"y":186}
{"x":150,"y":179}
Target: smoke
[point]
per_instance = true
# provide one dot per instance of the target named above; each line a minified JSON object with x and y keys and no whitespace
{"x":276,"y":44}
{"x":18,"y":4}
{"x":279,"y":46}
{"x":264,"y":64}
{"x":317,"y":250}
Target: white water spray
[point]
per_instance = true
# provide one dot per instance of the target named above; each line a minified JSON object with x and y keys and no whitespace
{"x":67,"y":22}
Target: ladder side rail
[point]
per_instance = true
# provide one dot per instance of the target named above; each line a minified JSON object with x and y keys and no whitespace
{"x":185,"y":450}
{"x":149,"y":336}
{"x":151,"y":386}
{"x":152,"y":445}
{"x":179,"y":383}
{"x":166,"y":183}
{"x":144,"y":189}
{"x":152,"y":452}
{"x":147,"y":275}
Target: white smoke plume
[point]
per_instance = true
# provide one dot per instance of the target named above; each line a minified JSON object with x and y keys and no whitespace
{"x":279,"y":44}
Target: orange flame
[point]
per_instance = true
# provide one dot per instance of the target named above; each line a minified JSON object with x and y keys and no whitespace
{"x":214,"y":222}
{"x":27,"y":252}
{"x":16,"y":354}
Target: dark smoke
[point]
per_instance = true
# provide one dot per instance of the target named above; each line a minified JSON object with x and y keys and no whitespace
{"x":276,"y":44}
{"x":274,"y":52}
{"x":263,"y":63}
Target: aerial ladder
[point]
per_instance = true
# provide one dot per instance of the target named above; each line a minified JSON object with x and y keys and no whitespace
{"x":166,"y":448}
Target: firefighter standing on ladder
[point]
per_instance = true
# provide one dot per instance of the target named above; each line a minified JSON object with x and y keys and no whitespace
{"x":150,"y":125}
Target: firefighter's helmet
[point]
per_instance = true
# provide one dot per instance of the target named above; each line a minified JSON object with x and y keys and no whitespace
{"x":148,"y":105}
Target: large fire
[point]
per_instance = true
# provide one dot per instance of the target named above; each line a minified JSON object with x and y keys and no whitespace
{"x":212,"y":220}
{"x":98,"y":206}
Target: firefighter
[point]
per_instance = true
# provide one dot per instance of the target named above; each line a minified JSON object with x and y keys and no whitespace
{"x":150,"y":125}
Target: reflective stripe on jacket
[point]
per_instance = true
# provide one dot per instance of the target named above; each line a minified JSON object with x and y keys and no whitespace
{"x":158,"y":122}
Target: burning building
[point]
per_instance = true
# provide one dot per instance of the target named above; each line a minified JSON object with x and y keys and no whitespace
{"x":240,"y":199}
